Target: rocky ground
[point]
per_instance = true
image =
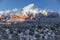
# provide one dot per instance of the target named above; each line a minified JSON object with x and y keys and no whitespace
{"x":30,"y":31}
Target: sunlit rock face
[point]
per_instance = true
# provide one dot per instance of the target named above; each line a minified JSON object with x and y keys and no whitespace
{"x":19,"y":16}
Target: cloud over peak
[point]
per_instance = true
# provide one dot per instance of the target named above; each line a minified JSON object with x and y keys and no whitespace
{"x":27,"y":10}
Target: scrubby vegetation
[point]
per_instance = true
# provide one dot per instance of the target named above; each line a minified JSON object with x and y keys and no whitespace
{"x":30,"y":31}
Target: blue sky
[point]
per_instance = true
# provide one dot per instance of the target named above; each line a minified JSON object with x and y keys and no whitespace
{"x":43,"y":4}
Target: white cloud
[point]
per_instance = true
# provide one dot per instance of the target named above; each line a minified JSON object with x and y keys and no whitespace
{"x":29,"y":9}
{"x":1,"y":13}
{"x":14,"y":10}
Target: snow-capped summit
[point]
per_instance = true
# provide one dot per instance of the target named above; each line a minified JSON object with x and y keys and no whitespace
{"x":28,"y":12}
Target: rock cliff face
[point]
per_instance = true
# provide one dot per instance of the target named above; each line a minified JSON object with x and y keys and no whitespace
{"x":29,"y":13}
{"x":52,"y":14}
{"x":41,"y":16}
